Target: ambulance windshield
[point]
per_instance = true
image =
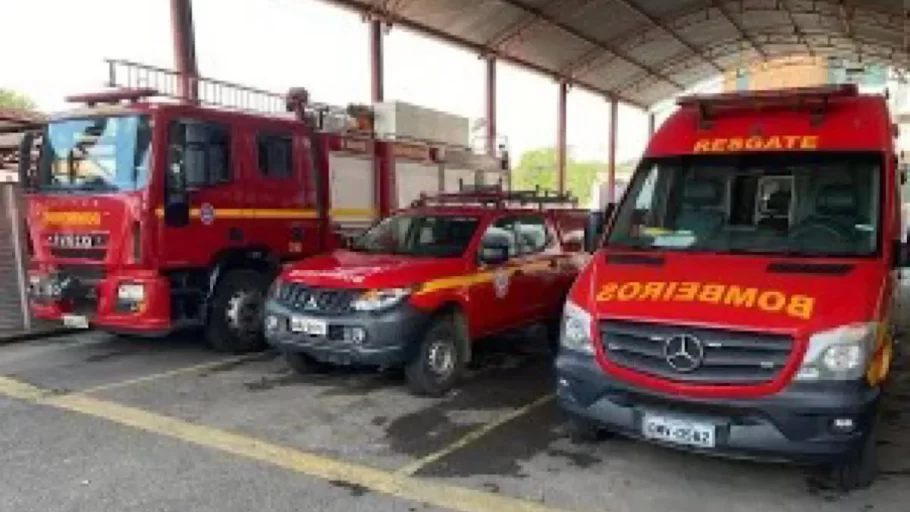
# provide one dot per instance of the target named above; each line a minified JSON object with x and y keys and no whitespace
{"x":437,"y":236}
{"x":799,"y":204}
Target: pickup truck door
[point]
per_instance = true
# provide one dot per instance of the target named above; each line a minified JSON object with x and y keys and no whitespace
{"x":496,"y":302}
{"x":539,"y":280}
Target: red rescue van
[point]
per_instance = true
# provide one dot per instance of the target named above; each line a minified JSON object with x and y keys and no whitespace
{"x":740,"y":303}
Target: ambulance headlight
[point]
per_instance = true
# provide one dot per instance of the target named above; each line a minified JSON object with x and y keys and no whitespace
{"x":376,"y":300}
{"x":575,"y":331}
{"x":842,"y":353}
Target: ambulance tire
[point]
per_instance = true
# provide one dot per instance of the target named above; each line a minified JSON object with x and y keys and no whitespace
{"x":235,"y":318}
{"x":304,"y":364}
{"x":440,"y":360}
{"x":858,"y":469}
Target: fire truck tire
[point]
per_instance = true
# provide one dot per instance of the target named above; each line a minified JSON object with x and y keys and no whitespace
{"x":858,"y":469}
{"x":235,"y":318}
{"x":440,"y":359}
{"x":303,"y":364}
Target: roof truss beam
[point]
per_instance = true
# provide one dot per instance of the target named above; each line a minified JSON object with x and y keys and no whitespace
{"x":520,"y":31}
{"x":783,"y":5}
{"x":743,"y":34}
{"x":663,"y":27}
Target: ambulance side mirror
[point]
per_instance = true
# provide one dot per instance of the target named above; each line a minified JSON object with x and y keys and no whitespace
{"x":594,"y":227}
{"x":901,"y":254}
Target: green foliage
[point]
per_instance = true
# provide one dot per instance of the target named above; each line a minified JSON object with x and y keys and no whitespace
{"x":538,"y":168}
{"x":13,"y":99}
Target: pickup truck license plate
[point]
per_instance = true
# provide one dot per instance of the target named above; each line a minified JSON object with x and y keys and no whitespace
{"x":678,"y":431}
{"x":311,"y":326}
{"x":75,"y":321}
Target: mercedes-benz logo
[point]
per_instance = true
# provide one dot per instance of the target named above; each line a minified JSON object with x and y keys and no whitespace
{"x":684,"y":352}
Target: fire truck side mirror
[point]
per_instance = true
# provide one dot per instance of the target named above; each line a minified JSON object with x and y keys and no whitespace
{"x":25,"y":160}
{"x":176,"y":202}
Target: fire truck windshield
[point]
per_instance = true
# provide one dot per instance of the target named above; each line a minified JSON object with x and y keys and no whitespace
{"x":98,"y":154}
{"x":437,"y":236}
{"x":795,"y":204}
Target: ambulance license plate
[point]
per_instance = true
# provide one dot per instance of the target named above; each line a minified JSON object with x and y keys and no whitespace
{"x":678,"y":431}
{"x":311,"y":326}
{"x":75,"y":321}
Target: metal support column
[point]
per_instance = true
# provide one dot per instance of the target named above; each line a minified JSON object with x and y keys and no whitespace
{"x":491,"y":106}
{"x":185,"y":49}
{"x":377,"y":79}
{"x":561,"y":136}
{"x":611,"y":170}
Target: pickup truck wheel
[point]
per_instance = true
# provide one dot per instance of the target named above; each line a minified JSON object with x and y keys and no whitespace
{"x":439,"y":362}
{"x":304,"y":364}
{"x":584,"y":431}
{"x":235,"y":318}
{"x":858,"y":469}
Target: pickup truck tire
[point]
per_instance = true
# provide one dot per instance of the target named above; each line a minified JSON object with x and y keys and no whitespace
{"x":858,"y":469}
{"x":235,"y":318}
{"x":439,"y":361}
{"x":584,"y":431}
{"x":303,"y":364}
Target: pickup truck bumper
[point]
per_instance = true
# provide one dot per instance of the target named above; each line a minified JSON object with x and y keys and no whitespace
{"x":795,"y":425}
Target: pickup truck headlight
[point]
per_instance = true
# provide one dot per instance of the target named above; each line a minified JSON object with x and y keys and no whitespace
{"x":376,"y":300}
{"x":839,"y":354}
{"x":575,"y":332}
{"x":131,"y":292}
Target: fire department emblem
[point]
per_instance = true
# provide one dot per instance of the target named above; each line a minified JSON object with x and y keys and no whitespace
{"x":207,"y":213}
{"x":501,"y":283}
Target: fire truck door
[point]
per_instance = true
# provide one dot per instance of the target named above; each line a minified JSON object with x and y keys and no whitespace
{"x":352,"y":186}
{"x":414,"y":178}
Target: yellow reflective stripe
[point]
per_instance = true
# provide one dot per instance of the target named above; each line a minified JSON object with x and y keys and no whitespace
{"x":252,"y":213}
{"x":481,"y":277}
{"x":353,"y":213}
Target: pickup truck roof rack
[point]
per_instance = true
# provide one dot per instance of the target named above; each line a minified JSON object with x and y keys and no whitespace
{"x":496,"y":196}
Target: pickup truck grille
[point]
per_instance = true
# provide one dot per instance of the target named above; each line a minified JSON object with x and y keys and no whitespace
{"x":725,"y":357}
{"x":319,"y":301}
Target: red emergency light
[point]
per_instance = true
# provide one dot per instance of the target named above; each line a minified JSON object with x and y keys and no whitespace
{"x":112,"y":97}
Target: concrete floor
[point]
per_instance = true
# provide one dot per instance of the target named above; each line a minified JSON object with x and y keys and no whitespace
{"x":169,"y":425}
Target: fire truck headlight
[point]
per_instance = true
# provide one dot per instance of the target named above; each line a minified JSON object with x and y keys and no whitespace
{"x":575,"y":333}
{"x":842,"y":353}
{"x":376,"y":300}
{"x":131,"y":292}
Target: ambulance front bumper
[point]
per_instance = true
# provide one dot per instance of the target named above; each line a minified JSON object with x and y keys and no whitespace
{"x":804,"y":423}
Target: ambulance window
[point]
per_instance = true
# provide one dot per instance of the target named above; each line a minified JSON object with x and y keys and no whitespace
{"x":275,"y":155}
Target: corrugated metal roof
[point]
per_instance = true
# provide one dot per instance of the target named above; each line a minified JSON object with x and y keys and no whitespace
{"x":642,"y":51}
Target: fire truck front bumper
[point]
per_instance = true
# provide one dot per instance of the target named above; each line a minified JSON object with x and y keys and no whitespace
{"x":133,"y":302}
{"x":805,"y":423}
{"x":384,"y":339}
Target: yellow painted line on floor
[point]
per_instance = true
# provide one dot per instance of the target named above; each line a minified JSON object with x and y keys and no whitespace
{"x":472,"y":436}
{"x":386,"y":482}
{"x":170,"y":373}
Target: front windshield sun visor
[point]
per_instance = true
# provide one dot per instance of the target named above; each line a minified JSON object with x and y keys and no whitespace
{"x":818,"y":204}
{"x":95,"y":154}
{"x":434,"y":236}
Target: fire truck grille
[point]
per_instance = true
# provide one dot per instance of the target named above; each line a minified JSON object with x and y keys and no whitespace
{"x":696,"y":355}
{"x":320,"y":301}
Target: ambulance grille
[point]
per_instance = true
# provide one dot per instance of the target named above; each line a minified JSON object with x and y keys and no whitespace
{"x":718,"y":356}
{"x":320,"y":301}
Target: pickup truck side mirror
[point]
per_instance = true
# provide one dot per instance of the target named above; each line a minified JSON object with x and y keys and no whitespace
{"x":492,"y":253}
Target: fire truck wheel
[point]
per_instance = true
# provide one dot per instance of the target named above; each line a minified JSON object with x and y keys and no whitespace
{"x":235,"y":319}
{"x":303,"y":364}
{"x":858,"y":469}
{"x":440,"y":361}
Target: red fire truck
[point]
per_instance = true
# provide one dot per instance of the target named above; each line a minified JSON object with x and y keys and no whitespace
{"x":741,"y":302}
{"x":416,"y":289}
{"x":146,"y":216}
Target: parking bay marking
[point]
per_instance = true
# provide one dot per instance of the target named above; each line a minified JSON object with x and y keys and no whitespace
{"x":386,"y":482}
{"x":472,"y":436}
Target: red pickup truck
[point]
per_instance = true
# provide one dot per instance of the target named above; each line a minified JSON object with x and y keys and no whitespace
{"x":418,"y":287}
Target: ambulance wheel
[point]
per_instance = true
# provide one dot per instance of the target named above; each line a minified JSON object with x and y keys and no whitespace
{"x":440,"y":359}
{"x":858,"y":469}
{"x":304,"y":364}
{"x":235,"y":317}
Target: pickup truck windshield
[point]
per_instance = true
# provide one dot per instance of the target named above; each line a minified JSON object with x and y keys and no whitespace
{"x":98,"y":154}
{"x":795,"y":204}
{"x":438,"y":236}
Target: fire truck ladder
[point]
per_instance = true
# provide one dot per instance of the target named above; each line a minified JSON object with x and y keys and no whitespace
{"x":495,"y":196}
{"x":124,"y":74}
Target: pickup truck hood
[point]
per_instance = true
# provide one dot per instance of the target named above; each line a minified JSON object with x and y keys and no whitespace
{"x":347,"y":269}
{"x":788,"y":295}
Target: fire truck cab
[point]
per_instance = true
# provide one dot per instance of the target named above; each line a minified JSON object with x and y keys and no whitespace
{"x":414,"y":290}
{"x":741,"y":301}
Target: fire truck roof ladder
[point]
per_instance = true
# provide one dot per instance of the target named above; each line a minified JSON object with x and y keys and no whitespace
{"x":817,"y":99}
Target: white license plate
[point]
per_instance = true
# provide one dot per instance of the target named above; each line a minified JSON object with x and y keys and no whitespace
{"x":678,"y":431}
{"x":75,"y":321}
{"x":311,"y":326}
